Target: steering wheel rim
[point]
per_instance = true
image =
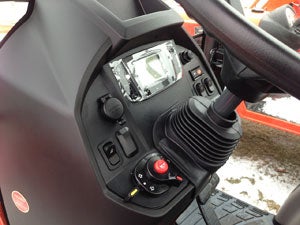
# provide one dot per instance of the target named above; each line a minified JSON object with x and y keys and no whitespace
{"x":257,"y":49}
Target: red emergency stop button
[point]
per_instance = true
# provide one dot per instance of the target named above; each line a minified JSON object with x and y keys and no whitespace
{"x":161,"y":166}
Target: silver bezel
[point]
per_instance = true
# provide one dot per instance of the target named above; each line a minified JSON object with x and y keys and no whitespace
{"x":138,"y":84}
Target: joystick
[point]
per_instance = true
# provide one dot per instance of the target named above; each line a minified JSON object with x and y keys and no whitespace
{"x":199,"y":135}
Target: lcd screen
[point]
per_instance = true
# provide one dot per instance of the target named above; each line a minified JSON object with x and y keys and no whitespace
{"x":148,"y":71}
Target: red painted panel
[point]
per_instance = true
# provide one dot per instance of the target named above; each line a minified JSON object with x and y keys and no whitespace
{"x":268,"y":120}
{"x":190,"y":26}
{"x":273,"y":4}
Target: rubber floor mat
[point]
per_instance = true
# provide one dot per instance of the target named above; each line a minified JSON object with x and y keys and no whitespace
{"x":229,"y":210}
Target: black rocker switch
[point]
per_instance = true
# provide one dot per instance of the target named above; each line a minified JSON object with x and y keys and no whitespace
{"x":209,"y":85}
{"x":111,"y":153}
{"x":200,"y":89}
{"x":126,"y":142}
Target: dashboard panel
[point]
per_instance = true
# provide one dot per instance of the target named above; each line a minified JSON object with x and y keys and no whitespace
{"x":139,"y":86}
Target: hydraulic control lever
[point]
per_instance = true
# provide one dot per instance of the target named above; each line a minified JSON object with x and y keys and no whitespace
{"x":154,"y":175}
{"x":199,"y":135}
{"x":225,"y":105}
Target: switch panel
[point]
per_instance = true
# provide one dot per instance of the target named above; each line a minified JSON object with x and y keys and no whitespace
{"x":120,"y":109}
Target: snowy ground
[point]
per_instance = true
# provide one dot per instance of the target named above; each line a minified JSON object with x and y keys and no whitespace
{"x":256,"y":183}
{"x":287,"y":108}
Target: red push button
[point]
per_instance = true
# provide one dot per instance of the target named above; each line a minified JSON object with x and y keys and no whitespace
{"x":161,"y":166}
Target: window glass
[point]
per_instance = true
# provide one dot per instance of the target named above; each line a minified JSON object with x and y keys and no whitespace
{"x":10,"y":13}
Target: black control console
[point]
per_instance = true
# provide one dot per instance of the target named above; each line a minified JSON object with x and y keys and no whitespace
{"x":123,"y":104}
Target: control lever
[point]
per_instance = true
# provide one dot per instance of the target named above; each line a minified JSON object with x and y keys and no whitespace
{"x":154,"y":175}
{"x":199,"y":135}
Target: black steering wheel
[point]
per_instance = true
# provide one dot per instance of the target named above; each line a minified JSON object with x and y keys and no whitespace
{"x":257,"y":49}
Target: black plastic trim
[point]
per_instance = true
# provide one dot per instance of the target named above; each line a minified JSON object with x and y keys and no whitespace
{"x":89,"y":76}
{"x":120,"y":30}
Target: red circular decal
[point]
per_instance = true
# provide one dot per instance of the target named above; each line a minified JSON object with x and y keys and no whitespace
{"x":20,"y":201}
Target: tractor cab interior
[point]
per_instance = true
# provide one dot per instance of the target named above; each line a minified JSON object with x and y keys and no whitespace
{"x":122,"y":119}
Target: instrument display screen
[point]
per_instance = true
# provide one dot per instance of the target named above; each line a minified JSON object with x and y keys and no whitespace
{"x":148,"y":72}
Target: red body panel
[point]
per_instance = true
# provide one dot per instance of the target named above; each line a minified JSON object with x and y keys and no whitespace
{"x":268,"y":120}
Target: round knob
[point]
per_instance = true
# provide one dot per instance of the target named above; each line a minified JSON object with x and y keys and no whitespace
{"x":186,"y":56}
{"x":160,"y":166}
{"x":112,"y":109}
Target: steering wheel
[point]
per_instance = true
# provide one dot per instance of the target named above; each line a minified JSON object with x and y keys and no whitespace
{"x":273,"y":60}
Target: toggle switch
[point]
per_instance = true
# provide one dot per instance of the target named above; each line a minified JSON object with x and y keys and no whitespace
{"x":126,"y":142}
{"x":209,"y":85}
{"x":111,"y":153}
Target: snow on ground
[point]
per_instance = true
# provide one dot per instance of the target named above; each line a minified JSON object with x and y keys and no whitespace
{"x":256,"y":183}
{"x":287,"y":108}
